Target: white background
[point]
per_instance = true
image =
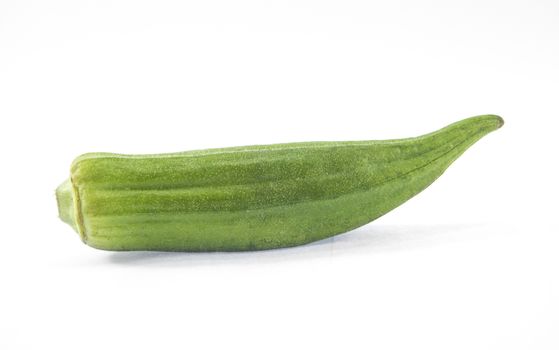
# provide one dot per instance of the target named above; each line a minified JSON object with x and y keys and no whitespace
{"x":470,"y":263}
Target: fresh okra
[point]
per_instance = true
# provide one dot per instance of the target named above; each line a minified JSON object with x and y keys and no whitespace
{"x":256,"y":197}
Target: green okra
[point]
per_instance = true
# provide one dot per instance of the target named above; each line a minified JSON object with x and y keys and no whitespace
{"x":255,"y":197}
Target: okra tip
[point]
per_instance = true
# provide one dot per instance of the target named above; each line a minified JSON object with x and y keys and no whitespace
{"x":499,"y":121}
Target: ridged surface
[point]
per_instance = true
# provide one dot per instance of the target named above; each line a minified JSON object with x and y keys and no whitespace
{"x":256,"y":197}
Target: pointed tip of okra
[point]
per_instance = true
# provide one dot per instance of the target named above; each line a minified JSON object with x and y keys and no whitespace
{"x":487,"y":122}
{"x":498,"y":120}
{"x":473,"y":127}
{"x":481,"y":125}
{"x":501,"y":121}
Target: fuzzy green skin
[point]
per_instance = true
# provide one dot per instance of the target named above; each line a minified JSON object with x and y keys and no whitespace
{"x":256,"y":197}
